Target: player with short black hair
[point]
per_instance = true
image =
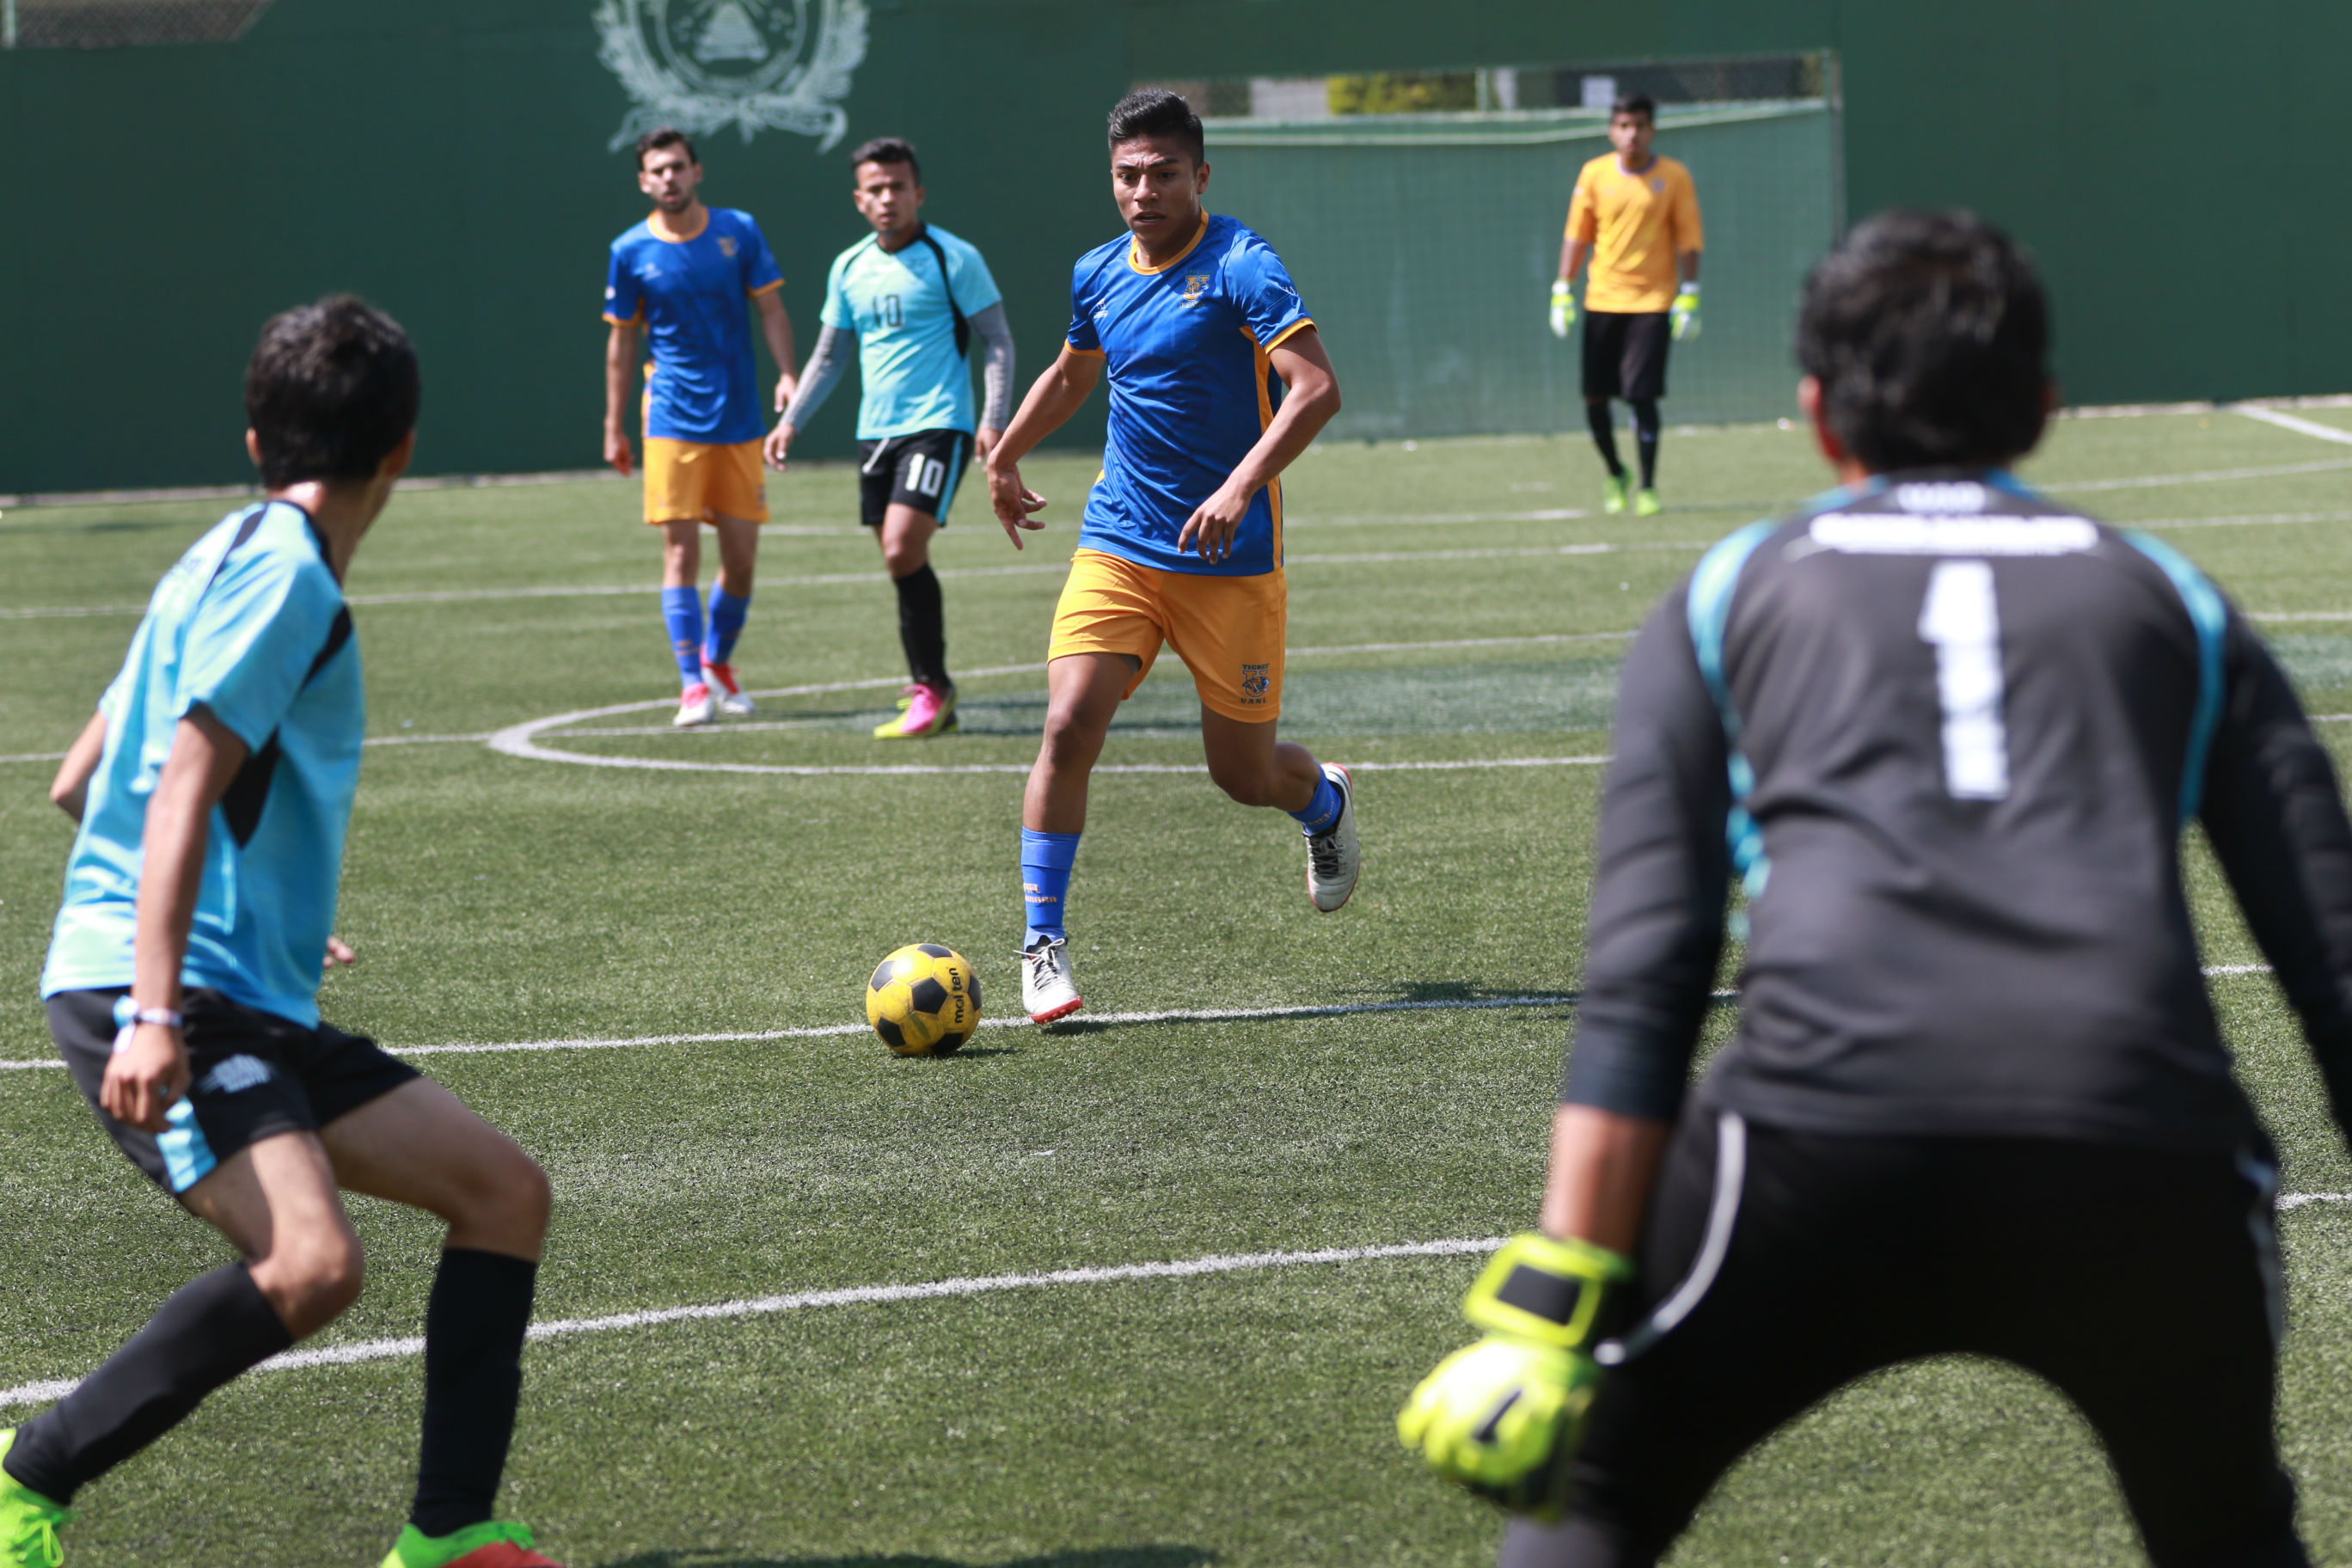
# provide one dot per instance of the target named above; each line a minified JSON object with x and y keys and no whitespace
{"x":690,"y":276}
{"x":213,"y":789}
{"x":1218,"y":382}
{"x":1635,"y":213}
{"x":1945,"y":734}
{"x":910,"y":296}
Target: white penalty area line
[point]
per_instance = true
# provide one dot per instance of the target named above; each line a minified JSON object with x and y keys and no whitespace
{"x":2289,"y":422}
{"x":854,"y":1296}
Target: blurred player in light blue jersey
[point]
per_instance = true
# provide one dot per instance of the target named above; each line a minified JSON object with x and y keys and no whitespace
{"x":1218,"y":381}
{"x":690,"y":276}
{"x":910,"y":296}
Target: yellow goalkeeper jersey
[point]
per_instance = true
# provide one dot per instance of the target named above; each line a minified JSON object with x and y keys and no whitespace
{"x":1635,"y":225}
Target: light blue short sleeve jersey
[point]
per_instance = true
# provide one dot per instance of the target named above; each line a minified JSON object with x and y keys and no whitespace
{"x":694,"y":299}
{"x":897,"y":303}
{"x":1184,"y":348}
{"x":251,"y":625}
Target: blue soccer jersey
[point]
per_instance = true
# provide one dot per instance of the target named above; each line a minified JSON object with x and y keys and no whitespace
{"x":897,"y":303}
{"x":1185,"y":347}
{"x":250,"y":625}
{"x":693,"y":297}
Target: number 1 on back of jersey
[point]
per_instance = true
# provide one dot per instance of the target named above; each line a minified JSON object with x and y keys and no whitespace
{"x":1962,"y":621}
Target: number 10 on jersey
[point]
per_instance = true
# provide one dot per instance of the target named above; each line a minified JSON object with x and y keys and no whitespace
{"x":1962,"y":621}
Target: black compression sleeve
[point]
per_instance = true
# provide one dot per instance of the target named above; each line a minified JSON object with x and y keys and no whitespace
{"x":212,"y":1329}
{"x":2275,"y":818}
{"x":1656,"y":926}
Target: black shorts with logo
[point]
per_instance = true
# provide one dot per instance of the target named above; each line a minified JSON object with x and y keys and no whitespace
{"x":920,"y":471}
{"x":1777,"y":1266}
{"x":1625,"y":353}
{"x":251,"y":1075}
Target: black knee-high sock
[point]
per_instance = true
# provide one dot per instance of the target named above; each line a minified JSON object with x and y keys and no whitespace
{"x":211,"y":1330}
{"x":1645,"y":439}
{"x":474,"y":1325}
{"x":1604,"y":435}
{"x":923,"y":625}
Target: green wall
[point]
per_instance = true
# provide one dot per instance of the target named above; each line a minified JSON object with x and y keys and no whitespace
{"x":2178,"y":167}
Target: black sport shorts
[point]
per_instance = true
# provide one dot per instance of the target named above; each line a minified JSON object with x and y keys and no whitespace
{"x":920,"y":471}
{"x":1625,"y":353}
{"x":1778,"y":1266}
{"x":251,"y":1075}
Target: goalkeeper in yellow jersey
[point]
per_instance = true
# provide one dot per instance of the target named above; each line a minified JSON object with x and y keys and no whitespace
{"x":1635,"y":214}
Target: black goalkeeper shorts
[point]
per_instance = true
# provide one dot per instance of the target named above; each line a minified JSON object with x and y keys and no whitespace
{"x":1625,"y":353}
{"x":251,"y":1075}
{"x":1778,"y":1266}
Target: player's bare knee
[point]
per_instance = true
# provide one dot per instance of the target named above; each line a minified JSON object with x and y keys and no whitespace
{"x":310,"y":1278}
{"x":903,"y":557}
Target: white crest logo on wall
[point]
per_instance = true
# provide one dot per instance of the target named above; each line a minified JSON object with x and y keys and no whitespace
{"x":756,"y":65}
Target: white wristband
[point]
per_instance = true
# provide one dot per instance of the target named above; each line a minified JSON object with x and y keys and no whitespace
{"x":1690,"y":288}
{"x":161,"y":1017}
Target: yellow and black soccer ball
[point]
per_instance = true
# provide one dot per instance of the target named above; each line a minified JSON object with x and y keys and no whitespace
{"x":924,"y":1001}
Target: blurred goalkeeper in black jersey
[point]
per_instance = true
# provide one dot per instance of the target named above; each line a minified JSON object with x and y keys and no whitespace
{"x":1945,"y":734}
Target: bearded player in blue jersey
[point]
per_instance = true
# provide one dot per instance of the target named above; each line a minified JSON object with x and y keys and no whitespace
{"x":213,"y":788}
{"x":691,"y":276}
{"x":1218,"y":382}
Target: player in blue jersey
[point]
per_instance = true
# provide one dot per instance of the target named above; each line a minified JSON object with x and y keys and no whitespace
{"x":1218,"y":381}
{"x":690,"y":276}
{"x":910,"y":296}
{"x":212,"y":789}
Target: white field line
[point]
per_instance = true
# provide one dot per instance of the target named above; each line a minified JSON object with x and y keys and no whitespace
{"x":2204,"y":477}
{"x":885,"y":1295}
{"x":2252,"y":519}
{"x":1164,"y":1015}
{"x":831,"y":1031}
{"x":854,"y":1296}
{"x":2289,"y":422}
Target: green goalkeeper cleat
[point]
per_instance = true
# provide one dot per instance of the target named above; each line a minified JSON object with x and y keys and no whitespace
{"x":495,"y":1544}
{"x":1647,"y":504}
{"x":1613,"y":493}
{"x":28,"y":1521}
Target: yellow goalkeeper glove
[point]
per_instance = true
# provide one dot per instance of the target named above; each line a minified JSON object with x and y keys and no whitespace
{"x":1563,"y":308}
{"x":1504,"y":1416}
{"x":1684,"y":313}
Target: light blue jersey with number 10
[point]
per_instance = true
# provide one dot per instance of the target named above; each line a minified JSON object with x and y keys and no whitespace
{"x":897,"y":303}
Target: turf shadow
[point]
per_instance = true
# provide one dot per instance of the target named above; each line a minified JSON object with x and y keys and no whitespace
{"x":1095,"y":1557}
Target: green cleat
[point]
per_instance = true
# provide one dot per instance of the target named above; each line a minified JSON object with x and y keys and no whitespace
{"x":1613,"y":493}
{"x":1647,"y":504}
{"x":28,"y":1521}
{"x":496,"y":1544}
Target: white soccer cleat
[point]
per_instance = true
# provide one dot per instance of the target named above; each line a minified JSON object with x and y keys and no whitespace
{"x":720,"y":678}
{"x":696,"y":707}
{"x":1333,"y":857}
{"x":1048,"y":990}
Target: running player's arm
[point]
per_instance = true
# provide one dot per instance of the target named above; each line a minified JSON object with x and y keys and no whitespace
{"x":2274,"y":816}
{"x":69,"y":791}
{"x":625,"y":312}
{"x":1310,"y":396}
{"x":143,"y":1081}
{"x":777,"y":327}
{"x":1053,"y":398}
{"x":1654,"y":936}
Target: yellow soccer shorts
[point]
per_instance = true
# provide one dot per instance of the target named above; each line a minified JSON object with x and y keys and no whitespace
{"x":1228,"y":631}
{"x":700,"y":481}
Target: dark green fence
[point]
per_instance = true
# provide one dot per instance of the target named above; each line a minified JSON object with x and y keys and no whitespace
{"x":2176,"y":165}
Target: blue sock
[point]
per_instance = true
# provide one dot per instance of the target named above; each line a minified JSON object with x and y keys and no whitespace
{"x":727,"y":612}
{"x":1046,"y":860}
{"x":682,"y":609}
{"x":1323,"y":810}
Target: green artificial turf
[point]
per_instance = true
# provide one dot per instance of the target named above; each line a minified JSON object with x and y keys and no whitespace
{"x":1459,"y":602}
